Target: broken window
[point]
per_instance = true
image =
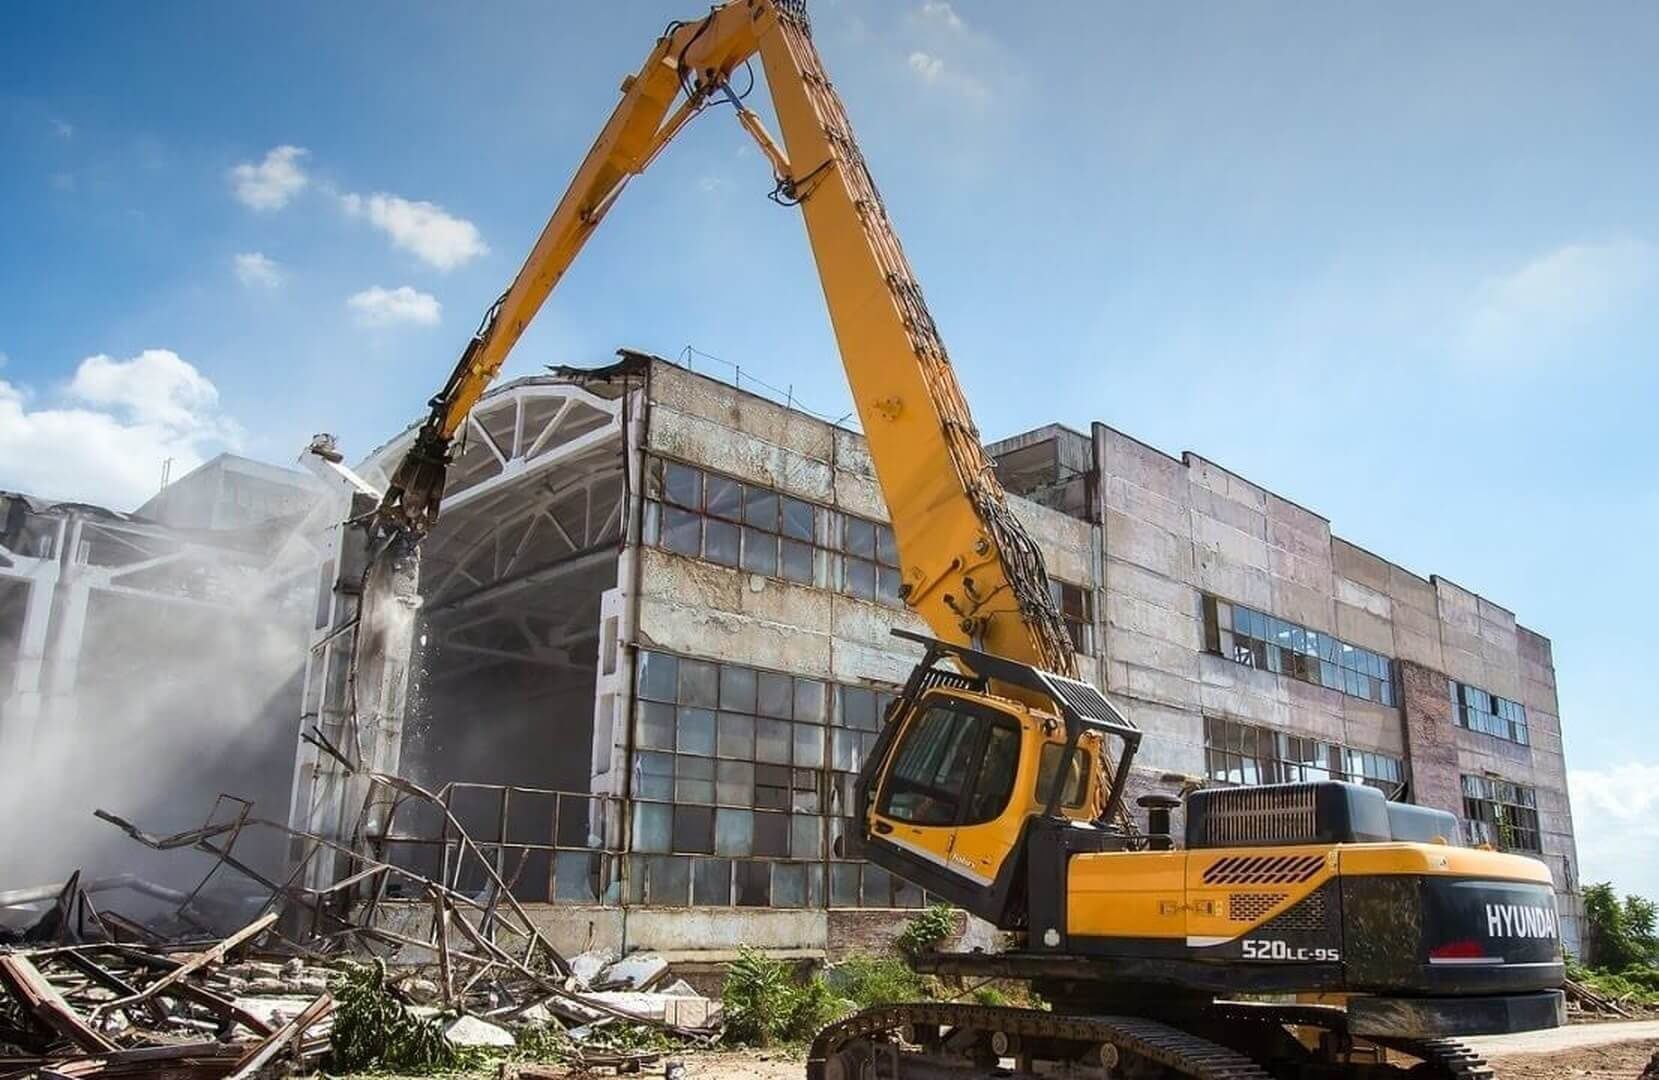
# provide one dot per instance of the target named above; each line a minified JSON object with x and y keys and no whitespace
{"x":1259,"y":640}
{"x":1477,"y":710}
{"x":1245,"y":754}
{"x":1501,"y":813}
{"x":691,"y":511}
{"x":740,"y":763}
{"x":1076,"y":606}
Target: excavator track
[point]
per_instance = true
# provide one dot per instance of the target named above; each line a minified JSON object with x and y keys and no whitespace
{"x":864,"y":1046}
{"x":1447,"y":1057}
{"x":867,"y":1045}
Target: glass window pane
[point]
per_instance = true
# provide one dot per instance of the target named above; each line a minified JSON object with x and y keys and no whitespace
{"x":811,"y":697}
{"x":771,"y":787}
{"x":772,"y":835}
{"x":760,"y":552}
{"x":788,"y":885}
{"x":653,"y":775}
{"x":809,"y":745}
{"x":796,"y":562}
{"x":694,"y":829}
{"x":654,"y":726}
{"x":693,"y":780}
{"x":720,"y":542}
{"x":682,"y":484}
{"x":844,"y":750}
{"x":858,"y":537}
{"x":887,"y":585}
{"x":777,"y":695}
{"x":878,"y":886}
{"x":858,"y":578}
{"x":653,"y":825}
{"x":734,"y":832}
{"x":576,"y":876}
{"x":724,"y":498}
{"x":711,"y":882}
{"x":753,"y":884}
{"x":696,"y":732}
{"x":844,"y":885}
{"x":737,"y":688}
{"x":736,"y":736}
{"x":806,"y":836}
{"x":699,"y":683}
{"x":734,"y":783}
{"x":760,"y":508}
{"x":649,"y":527}
{"x":772,"y":741}
{"x":658,"y":676}
{"x":887,"y":548}
{"x":797,"y":519}
{"x":858,"y":708}
{"x":670,"y":881}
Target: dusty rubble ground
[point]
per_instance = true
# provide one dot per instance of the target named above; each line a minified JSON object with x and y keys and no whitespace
{"x":1617,"y":1061}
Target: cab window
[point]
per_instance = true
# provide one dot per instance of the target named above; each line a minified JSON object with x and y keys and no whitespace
{"x":952,"y":767}
{"x":1076,"y":777}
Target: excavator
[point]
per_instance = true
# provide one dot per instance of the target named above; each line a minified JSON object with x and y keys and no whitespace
{"x":1295,"y":930}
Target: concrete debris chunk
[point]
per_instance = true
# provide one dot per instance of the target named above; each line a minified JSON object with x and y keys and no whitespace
{"x":640,"y":971}
{"x":471,"y":1031}
{"x":585,"y":967}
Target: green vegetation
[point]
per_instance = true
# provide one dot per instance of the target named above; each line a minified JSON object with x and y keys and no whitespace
{"x":764,"y":1004}
{"x":1622,"y":942}
{"x":924,"y":932}
{"x":374,"y":1030}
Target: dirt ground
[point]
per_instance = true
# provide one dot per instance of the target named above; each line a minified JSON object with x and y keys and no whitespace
{"x":1617,"y":1061}
{"x":1609,"y":1061}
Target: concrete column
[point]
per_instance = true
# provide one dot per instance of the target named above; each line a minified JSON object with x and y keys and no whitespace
{"x":20,"y":713}
{"x":1430,"y":738}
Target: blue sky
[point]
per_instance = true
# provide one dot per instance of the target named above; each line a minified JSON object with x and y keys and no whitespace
{"x":1401,"y":266}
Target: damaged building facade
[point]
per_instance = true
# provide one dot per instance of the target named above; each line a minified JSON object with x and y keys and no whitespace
{"x":652,"y":649}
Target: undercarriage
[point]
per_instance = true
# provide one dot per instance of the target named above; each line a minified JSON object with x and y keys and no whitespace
{"x":1220,"y":1040}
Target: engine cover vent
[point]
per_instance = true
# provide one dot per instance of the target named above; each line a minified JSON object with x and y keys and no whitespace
{"x":1278,"y":815}
{"x":1281,"y":814}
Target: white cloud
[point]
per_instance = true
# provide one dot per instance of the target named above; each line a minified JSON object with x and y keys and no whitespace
{"x":426,"y":229}
{"x":1616,"y":819}
{"x":121,"y":419}
{"x":941,"y":12}
{"x":927,"y":66}
{"x":257,"y":270}
{"x":270,"y":184}
{"x":1551,"y":299}
{"x":383,"y":307}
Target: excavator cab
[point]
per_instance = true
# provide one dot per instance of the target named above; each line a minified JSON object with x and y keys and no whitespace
{"x":967,"y":766}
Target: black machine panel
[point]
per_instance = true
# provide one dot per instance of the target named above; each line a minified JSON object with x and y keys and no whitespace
{"x":1318,"y":812}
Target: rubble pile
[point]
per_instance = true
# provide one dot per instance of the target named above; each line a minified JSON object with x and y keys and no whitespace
{"x":88,"y":992}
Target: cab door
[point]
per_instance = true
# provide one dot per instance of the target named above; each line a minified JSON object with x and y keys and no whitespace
{"x":951,"y":776}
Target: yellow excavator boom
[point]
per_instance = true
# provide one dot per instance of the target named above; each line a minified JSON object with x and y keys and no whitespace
{"x":968,"y":566}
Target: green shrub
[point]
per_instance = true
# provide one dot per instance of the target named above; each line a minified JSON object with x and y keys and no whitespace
{"x":373,"y":1029}
{"x":875,"y":980}
{"x":924,"y":932}
{"x":990,"y":995}
{"x":764,"y":1003}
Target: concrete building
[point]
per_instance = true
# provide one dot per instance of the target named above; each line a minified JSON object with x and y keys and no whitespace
{"x":655,"y":649}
